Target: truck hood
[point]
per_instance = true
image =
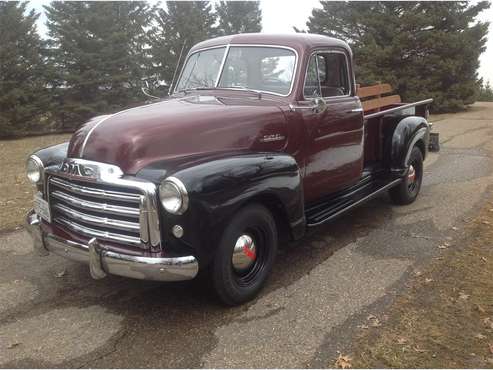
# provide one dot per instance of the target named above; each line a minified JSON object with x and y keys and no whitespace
{"x":180,"y":127}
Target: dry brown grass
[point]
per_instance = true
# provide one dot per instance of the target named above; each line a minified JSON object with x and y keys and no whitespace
{"x":15,"y":190}
{"x":446,"y":319}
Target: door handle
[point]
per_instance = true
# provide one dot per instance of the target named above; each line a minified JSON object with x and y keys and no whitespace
{"x":355,"y":110}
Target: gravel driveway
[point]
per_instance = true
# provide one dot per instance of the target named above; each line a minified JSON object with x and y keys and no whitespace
{"x":52,"y":314}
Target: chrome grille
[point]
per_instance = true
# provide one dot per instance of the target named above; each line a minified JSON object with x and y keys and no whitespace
{"x":97,"y":210}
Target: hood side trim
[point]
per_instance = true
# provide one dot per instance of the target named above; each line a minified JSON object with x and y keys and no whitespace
{"x":83,"y":146}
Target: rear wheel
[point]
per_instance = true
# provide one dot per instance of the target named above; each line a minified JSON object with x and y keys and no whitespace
{"x":245,"y":255}
{"x":407,"y":191}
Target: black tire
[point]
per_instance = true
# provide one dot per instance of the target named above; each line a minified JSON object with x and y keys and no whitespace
{"x":407,"y":191}
{"x":232,"y":287}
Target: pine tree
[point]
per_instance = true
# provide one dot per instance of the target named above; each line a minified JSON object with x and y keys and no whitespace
{"x":181,"y":25}
{"x":23,"y":92}
{"x":100,"y":51}
{"x":238,"y":17}
{"x":423,"y":49}
{"x":485,"y":92}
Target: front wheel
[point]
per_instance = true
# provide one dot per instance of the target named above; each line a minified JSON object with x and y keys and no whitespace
{"x":245,"y":255}
{"x":407,"y":191}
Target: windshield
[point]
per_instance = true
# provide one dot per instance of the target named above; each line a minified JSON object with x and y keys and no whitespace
{"x":259,"y":68}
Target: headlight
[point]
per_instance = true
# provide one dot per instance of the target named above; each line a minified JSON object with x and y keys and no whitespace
{"x":173,"y":195}
{"x":34,"y":169}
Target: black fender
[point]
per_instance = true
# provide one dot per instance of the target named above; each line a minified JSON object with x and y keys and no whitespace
{"x":219,"y":187}
{"x":52,"y":155}
{"x":410,"y":131}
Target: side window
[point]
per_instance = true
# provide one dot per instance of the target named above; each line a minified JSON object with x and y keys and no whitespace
{"x":312,"y":84}
{"x":333,"y":71}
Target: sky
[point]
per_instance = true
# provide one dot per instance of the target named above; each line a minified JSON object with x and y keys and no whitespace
{"x":279,"y":16}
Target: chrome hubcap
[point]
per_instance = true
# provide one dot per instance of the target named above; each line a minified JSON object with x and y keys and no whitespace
{"x":244,"y":254}
{"x":411,"y":175}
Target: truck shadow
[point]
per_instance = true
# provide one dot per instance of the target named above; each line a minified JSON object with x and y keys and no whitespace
{"x":166,"y":318}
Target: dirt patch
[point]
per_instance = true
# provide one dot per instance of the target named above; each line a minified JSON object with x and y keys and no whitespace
{"x":15,"y":190}
{"x":445,"y":319}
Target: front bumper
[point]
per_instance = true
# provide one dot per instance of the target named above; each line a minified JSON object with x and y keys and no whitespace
{"x":103,"y":261}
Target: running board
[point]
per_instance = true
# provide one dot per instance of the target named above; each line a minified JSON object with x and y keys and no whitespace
{"x":324,"y":211}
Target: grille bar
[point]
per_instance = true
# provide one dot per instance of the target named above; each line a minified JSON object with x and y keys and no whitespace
{"x":96,"y":220}
{"x":99,"y":210}
{"x":95,"y":206}
{"x":95,"y":192}
{"x":98,"y":233}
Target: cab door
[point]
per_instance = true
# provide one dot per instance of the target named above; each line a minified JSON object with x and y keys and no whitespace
{"x":334,"y":145}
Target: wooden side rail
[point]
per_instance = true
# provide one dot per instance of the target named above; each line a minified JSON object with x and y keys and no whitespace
{"x":372,"y":99}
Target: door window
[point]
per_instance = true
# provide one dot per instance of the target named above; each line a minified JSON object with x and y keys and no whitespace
{"x":328,"y":70}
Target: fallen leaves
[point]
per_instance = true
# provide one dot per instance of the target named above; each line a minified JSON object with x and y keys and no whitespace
{"x":455,"y":228}
{"x":491,"y":348}
{"x":374,"y":321}
{"x":343,"y":362}
{"x":61,"y":274}
{"x":13,"y":345}
{"x":480,"y":336}
{"x":420,"y":350}
{"x":488,"y":323}
{"x":428,"y":280}
{"x":463,"y":296}
{"x":401,"y":341}
{"x":444,"y":245}
{"x":480,"y":309}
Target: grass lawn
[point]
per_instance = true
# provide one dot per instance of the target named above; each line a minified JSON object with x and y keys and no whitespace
{"x":16,"y":191}
{"x":445,"y":320}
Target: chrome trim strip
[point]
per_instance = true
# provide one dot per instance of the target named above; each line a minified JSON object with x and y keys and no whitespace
{"x":228,"y":46}
{"x":84,"y":143}
{"x":137,"y":267}
{"x":221,"y":67}
{"x":105,"y":235}
{"x":94,"y":192}
{"x":391,"y":110}
{"x":96,"y":207}
{"x":107,"y":174}
{"x":98,"y":221}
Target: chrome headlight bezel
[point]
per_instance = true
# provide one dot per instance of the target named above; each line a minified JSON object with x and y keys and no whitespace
{"x":34,"y":170}
{"x":173,"y":196}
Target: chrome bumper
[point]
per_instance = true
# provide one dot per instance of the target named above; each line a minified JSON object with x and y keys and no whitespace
{"x":102,"y":261}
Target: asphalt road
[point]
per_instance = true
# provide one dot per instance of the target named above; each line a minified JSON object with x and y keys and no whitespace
{"x":52,"y":314}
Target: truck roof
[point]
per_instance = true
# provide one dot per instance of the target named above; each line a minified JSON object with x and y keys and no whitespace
{"x":298,"y":41}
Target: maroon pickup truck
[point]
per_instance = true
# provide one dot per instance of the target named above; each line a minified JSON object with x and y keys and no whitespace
{"x":262,"y":137}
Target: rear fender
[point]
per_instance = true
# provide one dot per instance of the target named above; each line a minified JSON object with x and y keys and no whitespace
{"x":409,"y":132}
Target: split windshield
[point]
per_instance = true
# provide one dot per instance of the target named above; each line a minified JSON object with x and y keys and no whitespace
{"x":266,"y":69}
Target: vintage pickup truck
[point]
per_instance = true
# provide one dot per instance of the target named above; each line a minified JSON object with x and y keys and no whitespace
{"x":262,"y":137}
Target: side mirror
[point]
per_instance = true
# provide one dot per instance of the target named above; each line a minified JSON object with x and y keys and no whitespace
{"x":320,"y":105}
{"x":154,"y":89}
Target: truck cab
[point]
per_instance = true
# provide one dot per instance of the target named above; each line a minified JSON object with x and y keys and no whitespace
{"x":262,"y":137}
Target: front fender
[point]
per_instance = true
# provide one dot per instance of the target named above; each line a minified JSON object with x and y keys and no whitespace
{"x":408,"y":132}
{"x":52,"y":155}
{"x":219,"y":187}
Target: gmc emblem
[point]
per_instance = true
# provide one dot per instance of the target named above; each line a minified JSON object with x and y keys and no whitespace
{"x":76,"y":169}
